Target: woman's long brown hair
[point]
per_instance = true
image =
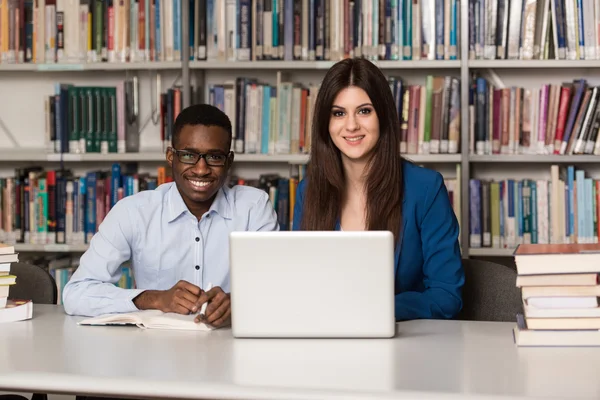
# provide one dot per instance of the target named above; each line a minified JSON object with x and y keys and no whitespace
{"x":325,"y":180}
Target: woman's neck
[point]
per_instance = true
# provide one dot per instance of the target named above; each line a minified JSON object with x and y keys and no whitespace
{"x":354,"y":200}
{"x":355,"y":181}
{"x":355,"y":173}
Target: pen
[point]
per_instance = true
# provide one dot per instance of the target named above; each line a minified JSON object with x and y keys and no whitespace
{"x":203,"y":308}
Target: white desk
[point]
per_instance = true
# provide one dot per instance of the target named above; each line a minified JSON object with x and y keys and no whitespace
{"x":427,"y":359}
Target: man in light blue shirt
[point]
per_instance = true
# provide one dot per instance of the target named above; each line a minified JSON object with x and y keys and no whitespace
{"x":176,"y":236}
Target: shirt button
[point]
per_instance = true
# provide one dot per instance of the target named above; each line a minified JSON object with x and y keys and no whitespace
{"x":197,"y":239}
{"x":197,"y":267}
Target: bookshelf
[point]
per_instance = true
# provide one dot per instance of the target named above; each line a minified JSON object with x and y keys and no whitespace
{"x":188,"y":74}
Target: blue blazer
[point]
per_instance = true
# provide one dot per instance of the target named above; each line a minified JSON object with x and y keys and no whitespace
{"x":428,"y":266}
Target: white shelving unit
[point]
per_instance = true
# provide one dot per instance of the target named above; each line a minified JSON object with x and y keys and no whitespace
{"x":37,"y":155}
{"x":319,"y":65}
{"x":141,"y":66}
{"x":205,"y":73}
{"x":491,"y":252}
{"x":537,"y":64}
{"x":526,"y":158}
{"x":50,"y":248}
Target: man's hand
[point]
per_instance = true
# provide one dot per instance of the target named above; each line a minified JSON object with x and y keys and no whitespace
{"x":218,"y":310}
{"x":181,"y":299}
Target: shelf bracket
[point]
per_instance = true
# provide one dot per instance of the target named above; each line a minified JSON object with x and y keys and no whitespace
{"x":8,"y":133}
{"x":494,"y":78}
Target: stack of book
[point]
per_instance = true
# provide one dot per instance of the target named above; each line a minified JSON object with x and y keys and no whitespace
{"x":7,"y":256}
{"x":560,"y":289}
{"x":11,"y":310}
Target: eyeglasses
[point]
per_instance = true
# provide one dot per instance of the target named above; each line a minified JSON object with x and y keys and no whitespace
{"x":192,"y":158}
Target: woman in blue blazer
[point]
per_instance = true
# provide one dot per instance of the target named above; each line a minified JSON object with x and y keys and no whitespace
{"x":357,"y":180}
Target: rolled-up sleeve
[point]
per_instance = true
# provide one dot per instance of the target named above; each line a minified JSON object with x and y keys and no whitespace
{"x":91,"y":291}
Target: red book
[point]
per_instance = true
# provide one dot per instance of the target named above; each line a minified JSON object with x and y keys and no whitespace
{"x":561,"y":120}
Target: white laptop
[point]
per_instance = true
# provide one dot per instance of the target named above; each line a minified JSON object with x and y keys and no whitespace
{"x":319,"y":284}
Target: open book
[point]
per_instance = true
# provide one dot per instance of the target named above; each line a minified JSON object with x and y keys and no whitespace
{"x":150,"y":319}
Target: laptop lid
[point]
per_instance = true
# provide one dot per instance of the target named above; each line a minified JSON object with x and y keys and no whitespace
{"x":312,"y":284}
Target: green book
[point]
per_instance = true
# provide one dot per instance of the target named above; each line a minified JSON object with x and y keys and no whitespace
{"x":73,"y":119}
{"x":111,"y":116}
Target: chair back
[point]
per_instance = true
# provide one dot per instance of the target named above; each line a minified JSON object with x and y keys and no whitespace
{"x":33,"y":283}
{"x":490,"y":292}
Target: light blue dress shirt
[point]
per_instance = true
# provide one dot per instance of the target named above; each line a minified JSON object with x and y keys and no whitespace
{"x":166,"y":243}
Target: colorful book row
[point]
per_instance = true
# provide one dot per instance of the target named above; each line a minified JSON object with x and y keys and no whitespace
{"x":559,"y":119}
{"x":534,"y":30}
{"x":89,"y":31}
{"x":57,"y":207}
{"x":506,"y":213}
{"x":325,"y":30}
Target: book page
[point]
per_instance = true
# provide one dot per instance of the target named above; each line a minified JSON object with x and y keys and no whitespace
{"x":174,"y":321}
{"x":149,"y":319}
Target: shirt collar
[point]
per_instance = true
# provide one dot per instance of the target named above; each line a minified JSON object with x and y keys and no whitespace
{"x":220,"y":205}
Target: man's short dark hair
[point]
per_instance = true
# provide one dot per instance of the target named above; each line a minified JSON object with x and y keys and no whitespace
{"x":201,"y":114}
